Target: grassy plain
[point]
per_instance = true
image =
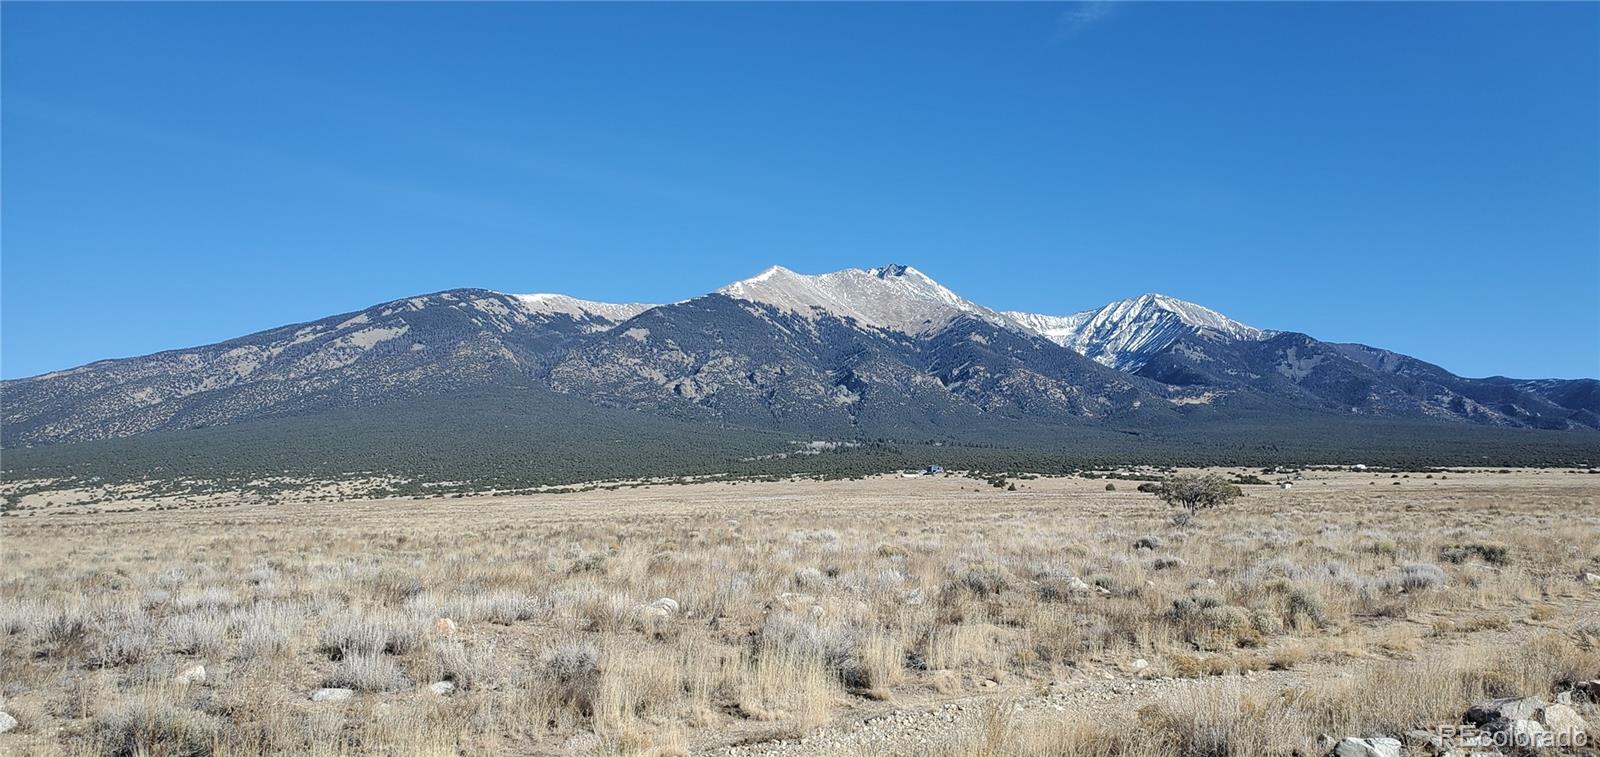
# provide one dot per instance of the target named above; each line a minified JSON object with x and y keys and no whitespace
{"x":679,"y":619}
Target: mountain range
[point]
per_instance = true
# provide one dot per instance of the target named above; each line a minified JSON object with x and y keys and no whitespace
{"x":884,"y":352}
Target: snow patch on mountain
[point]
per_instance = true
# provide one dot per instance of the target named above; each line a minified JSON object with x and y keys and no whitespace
{"x":560,"y":304}
{"x":1124,"y":334}
{"x":894,"y":297}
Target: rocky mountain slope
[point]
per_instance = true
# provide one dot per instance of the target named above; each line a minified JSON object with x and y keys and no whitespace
{"x":855,"y":353}
{"x":427,"y":345}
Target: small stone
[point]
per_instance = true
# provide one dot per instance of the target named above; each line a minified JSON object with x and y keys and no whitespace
{"x":666,"y":603}
{"x":7,"y":722}
{"x":1426,"y":742}
{"x":191,"y":674}
{"x":331,"y":695}
{"x":1355,"y":747}
{"x":1139,"y":664}
{"x":651,"y":612}
{"x":1592,"y":579}
{"x":442,"y":688}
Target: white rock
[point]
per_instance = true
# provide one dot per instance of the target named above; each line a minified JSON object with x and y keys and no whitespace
{"x":1380,"y":747}
{"x":1563,"y":719}
{"x":191,"y":674}
{"x":7,"y":722}
{"x":1139,"y":664}
{"x":331,"y":695}
{"x":1526,"y":733}
{"x":666,"y":603}
{"x":442,"y":688}
{"x":651,"y":612}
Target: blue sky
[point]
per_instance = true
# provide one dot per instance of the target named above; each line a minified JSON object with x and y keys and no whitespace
{"x":1421,"y":177}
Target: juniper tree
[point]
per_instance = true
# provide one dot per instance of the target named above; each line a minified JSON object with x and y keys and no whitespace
{"x":1196,"y":493}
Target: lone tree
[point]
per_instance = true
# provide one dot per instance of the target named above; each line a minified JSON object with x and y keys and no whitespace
{"x":1196,"y":493}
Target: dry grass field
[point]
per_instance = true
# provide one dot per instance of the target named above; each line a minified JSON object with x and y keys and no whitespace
{"x":935,"y":615}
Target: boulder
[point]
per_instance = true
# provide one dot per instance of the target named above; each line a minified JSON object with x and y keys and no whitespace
{"x":1527,"y":733}
{"x":1561,"y":718}
{"x":7,"y":722}
{"x":331,"y":695}
{"x":1494,"y":714}
{"x":1358,"y":747}
{"x":191,"y":674}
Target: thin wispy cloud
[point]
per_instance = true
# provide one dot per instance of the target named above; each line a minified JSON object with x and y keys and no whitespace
{"x":1083,"y":16}
{"x":416,"y":196}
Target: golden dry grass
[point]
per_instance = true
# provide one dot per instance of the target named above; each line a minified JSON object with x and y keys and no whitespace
{"x":676,"y":619}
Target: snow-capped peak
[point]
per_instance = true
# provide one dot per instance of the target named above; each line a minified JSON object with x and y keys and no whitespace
{"x":1123,"y":334}
{"x":893,"y":296}
{"x":613,"y":312}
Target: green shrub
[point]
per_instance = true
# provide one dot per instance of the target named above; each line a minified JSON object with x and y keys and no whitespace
{"x":1493,"y":554}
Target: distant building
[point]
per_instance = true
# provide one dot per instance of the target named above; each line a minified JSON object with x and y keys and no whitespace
{"x":1358,"y":466}
{"x":932,"y":469}
{"x":1285,"y":485}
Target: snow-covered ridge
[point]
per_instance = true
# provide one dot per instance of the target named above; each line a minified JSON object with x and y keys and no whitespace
{"x":562,"y":304}
{"x":894,"y":297}
{"x":1123,"y":334}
